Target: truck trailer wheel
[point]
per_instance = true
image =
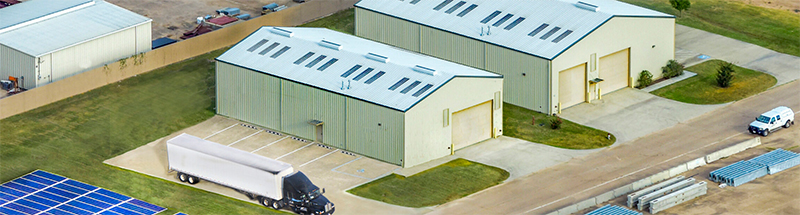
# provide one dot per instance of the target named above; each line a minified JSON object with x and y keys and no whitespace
{"x":192,"y":179}
{"x":276,"y":205}
{"x":266,"y":202}
{"x":182,"y":177}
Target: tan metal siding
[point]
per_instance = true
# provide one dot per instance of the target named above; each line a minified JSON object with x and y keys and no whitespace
{"x":301,"y":104}
{"x":15,"y":63}
{"x":472,"y":125}
{"x":248,"y":95}
{"x":399,"y":33}
{"x":94,"y":53}
{"x":144,"y":40}
{"x":529,"y":90}
{"x":452,"y":47}
{"x":383,"y":142}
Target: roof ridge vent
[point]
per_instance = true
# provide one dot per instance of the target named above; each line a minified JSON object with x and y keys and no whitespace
{"x":282,"y":32}
{"x":377,"y":57}
{"x":330,"y":45}
{"x":587,"y":6}
{"x":424,"y":70}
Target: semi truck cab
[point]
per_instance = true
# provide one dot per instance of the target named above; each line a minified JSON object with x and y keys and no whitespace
{"x":304,"y":197}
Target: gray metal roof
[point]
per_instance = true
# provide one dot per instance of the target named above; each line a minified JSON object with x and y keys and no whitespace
{"x":560,"y":23}
{"x":229,"y":153}
{"x":393,"y":65}
{"x":39,"y":27}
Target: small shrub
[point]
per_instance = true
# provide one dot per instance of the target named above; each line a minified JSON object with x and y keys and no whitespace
{"x":645,"y":79}
{"x":725,"y":74}
{"x":672,"y":69}
{"x":555,"y":122}
{"x":680,"y":5}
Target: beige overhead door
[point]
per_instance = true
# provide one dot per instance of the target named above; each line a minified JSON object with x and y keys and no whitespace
{"x":572,"y":86}
{"x":472,"y":125}
{"x":614,"y":71}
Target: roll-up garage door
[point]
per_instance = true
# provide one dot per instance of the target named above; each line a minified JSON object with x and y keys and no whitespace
{"x":572,"y":86}
{"x":614,"y":71}
{"x":472,"y":125}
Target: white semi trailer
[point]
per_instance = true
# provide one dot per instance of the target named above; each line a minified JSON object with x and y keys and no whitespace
{"x":273,"y":183}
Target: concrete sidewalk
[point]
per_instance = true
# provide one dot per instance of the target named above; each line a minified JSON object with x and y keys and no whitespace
{"x":691,"y":42}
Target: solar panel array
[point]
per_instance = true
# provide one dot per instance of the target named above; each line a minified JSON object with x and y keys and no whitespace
{"x":42,"y":192}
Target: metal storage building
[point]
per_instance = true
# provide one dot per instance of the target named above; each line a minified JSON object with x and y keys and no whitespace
{"x":49,"y":40}
{"x":358,"y":95}
{"x":550,"y":52}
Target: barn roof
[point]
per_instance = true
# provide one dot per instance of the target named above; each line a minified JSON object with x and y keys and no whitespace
{"x":346,"y":65}
{"x":544,"y":28}
{"x":39,"y":27}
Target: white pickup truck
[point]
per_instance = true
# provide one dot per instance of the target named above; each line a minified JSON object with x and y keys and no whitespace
{"x":772,"y":120}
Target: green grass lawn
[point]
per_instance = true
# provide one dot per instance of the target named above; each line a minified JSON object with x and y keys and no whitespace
{"x":72,"y":137}
{"x":517,"y":123}
{"x":703,"y":89}
{"x":444,"y":183}
{"x":342,"y":21}
{"x":774,"y":29}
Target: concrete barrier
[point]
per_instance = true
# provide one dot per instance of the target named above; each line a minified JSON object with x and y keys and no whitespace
{"x":677,"y":170}
{"x":733,"y":149}
{"x":624,"y":190}
{"x":695,"y":163}
{"x":664,"y":175}
{"x":607,"y":196}
{"x":568,"y":209}
{"x":586,"y":203}
{"x":642,"y":183}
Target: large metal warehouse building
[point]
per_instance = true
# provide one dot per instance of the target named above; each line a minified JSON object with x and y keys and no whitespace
{"x":49,"y":40}
{"x":550,"y":52}
{"x":358,"y":95}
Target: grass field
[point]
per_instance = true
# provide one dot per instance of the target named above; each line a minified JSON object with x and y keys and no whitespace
{"x":703,"y":89}
{"x":444,"y":183}
{"x":342,"y":21}
{"x":72,"y":137}
{"x":774,"y":29}
{"x":517,"y":123}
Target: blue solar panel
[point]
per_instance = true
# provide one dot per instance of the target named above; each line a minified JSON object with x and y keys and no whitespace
{"x":181,"y":213}
{"x":47,"y":193}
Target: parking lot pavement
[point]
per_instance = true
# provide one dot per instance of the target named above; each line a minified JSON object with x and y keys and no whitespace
{"x":327,"y":167}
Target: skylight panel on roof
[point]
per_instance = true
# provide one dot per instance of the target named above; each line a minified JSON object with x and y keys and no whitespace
{"x":350,"y":71}
{"x":280,"y":52}
{"x":398,"y":84}
{"x":538,"y":29}
{"x":502,"y":20}
{"x":455,"y":7}
{"x":421,"y":91}
{"x":465,"y":11}
{"x":441,"y":5}
{"x":414,"y":1}
{"x":490,"y":17}
{"x":549,"y":33}
{"x":303,"y":58}
{"x":315,"y":61}
{"x":374,"y":77}
{"x":269,"y":48}
{"x":514,"y":23}
{"x":327,"y":64}
{"x":257,"y":45}
{"x":362,"y":74}
{"x":410,"y":87}
{"x":560,"y":37}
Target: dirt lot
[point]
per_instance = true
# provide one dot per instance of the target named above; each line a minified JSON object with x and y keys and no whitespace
{"x":173,"y":17}
{"x":768,"y":195}
{"x":789,"y":5}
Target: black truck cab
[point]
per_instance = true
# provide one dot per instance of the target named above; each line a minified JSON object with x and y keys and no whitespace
{"x":304,"y":197}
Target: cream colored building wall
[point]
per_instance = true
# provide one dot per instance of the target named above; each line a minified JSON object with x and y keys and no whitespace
{"x":639,"y":34}
{"x":426,"y":137}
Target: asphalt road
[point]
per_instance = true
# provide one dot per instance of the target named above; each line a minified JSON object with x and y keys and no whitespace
{"x":561,"y":185}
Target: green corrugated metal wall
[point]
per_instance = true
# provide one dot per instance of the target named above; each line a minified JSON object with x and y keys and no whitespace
{"x":287,"y":106}
{"x":451,"y":47}
{"x":384,"y":142}
{"x":248,"y":95}
{"x":530,"y":91}
{"x":300,"y":104}
{"x":404,"y":35}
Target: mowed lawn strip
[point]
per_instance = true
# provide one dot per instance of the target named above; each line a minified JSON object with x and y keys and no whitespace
{"x":342,"y":21}
{"x":441,"y":184}
{"x":770,"y":28}
{"x":73,"y":137}
{"x":517,"y":123}
{"x":703,"y":88}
